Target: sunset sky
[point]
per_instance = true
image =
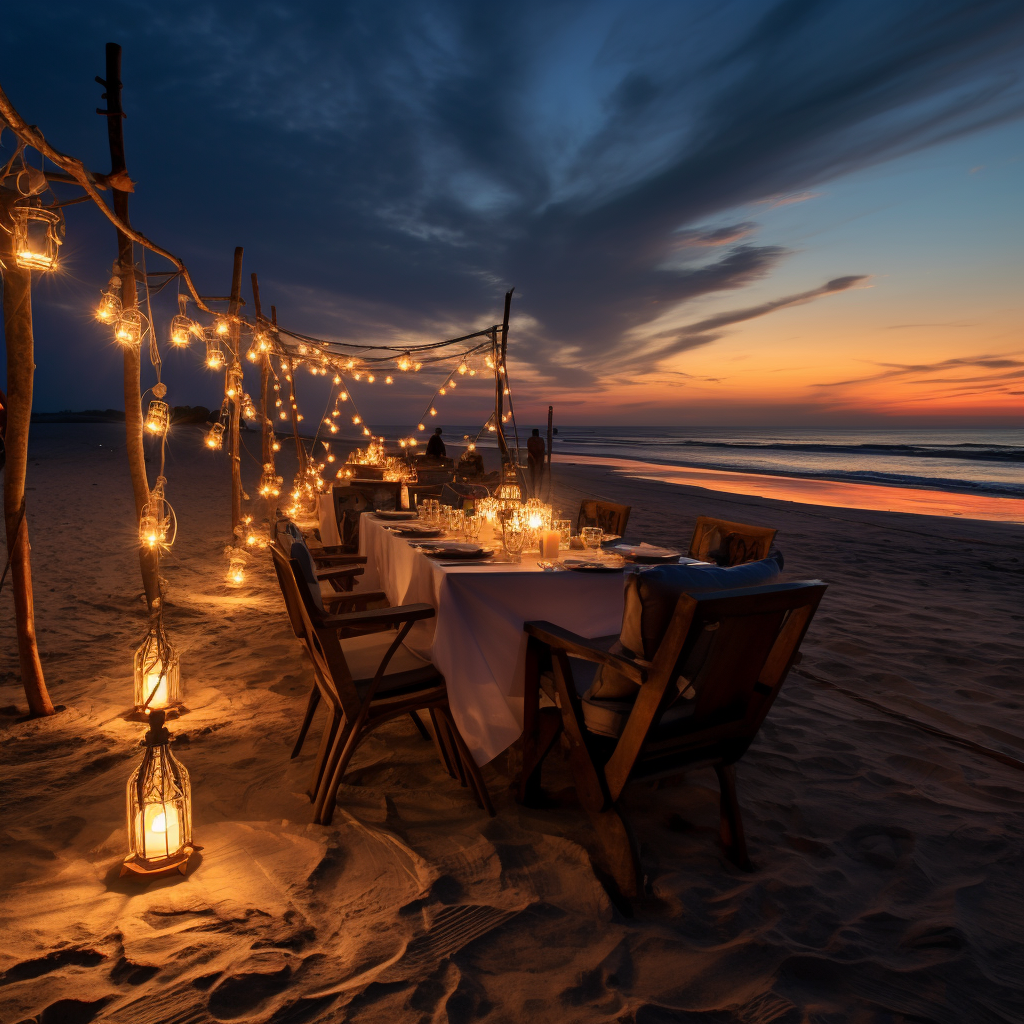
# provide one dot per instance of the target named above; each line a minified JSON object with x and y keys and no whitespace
{"x":752,"y":213}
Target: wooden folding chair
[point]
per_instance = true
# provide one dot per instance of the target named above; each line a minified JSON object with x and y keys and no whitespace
{"x":608,"y":516}
{"x":700,"y":702}
{"x":727,"y":543}
{"x":369,"y":676}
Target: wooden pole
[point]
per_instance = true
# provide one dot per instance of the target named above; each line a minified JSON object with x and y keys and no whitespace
{"x":129,"y":299}
{"x":551,"y":412}
{"x":500,"y":379}
{"x":267,"y":448}
{"x":20,"y":372}
{"x":235,"y":446}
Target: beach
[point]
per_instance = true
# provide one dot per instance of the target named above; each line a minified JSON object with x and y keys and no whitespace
{"x":883,"y":798}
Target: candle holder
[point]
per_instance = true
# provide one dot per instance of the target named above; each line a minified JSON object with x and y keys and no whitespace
{"x":159,"y":810}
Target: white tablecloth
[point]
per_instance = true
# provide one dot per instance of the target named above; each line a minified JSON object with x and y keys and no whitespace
{"x":476,"y":639}
{"x":329,"y":535}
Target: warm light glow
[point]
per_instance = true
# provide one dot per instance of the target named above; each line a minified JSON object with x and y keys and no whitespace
{"x":223,"y":327}
{"x":343,"y":395}
{"x":357,"y":420}
{"x":109,"y":309}
{"x":433,"y":411}
{"x":370,"y":378}
{"x":421,"y":426}
{"x":161,"y":830}
{"x":236,"y":571}
{"x":389,"y":380}
{"x":129,"y":327}
{"x":37,"y":234}
{"x":463,"y":368}
{"x":442,"y":391}
{"x":337,"y":378}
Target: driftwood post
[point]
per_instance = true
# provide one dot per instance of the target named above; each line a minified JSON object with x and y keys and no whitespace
{"x":20,"y":372}
{"x":267,"y":448}
{"x":551,"y":414}
{"x":300,"y":449}
{"x":500,"y":349}
{"x":129,"y":300}
{"x":236,"y":402}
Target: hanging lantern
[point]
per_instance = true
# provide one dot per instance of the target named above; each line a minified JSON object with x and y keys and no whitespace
{"x":248,"y":409}
{"x":234,"y":388}
{"x":214,"y":353}
{"x":129,"y":327}
{"x":222,"y":326}
{"x":270,"y":483}
{"x":159,"y":799}
{"x":181,"y":330}
{"x":158,"y":419}
{"x":157,"y":675}
{"x":109,"y":309}
{"x":214,"y":439}
{"x":37,"y":234}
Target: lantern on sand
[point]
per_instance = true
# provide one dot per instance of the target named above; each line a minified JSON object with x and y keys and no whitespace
{"x":129,"y":327}
{"x":37,"y":234}
{"x":157,"y":675}
{"x":159,"y":799}
{"x":214,"y":439}
{"x":236,"y":570}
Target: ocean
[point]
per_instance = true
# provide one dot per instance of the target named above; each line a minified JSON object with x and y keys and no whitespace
{"x":974,"y":461}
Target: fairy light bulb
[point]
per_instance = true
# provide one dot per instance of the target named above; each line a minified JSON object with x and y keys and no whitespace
{"x":418,"y":367}
{"x":343,"y":396}
{"x":421,"y":426}
{"x":370,"y":378}
{"x":472,"y":446}
{"x":222,"y":327}
{"x":366,"y":432}
{"x":433,"y":411}
{"x":442,"y":391}
{"x":389,"y":380}
{"x":337,"y":378}
{"x":357,"y":420}
{"x":463,"y":368}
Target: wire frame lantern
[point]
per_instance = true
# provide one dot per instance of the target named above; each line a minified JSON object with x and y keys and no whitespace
{"x":157,"y":524}
{"x":214,"y":439}
{"x":159,"y":809}
{"x":270,"y":482}
{"x":214,"y":352}
{"x":248,"y":408}
{"x":157,"y":674}
{"x":235,"y":377}
{"x":38,"y":233}
{"x":109,"y":309}
{"x":158,"y":418}
{"x":129,"y":327}
{"x":181,"y":330}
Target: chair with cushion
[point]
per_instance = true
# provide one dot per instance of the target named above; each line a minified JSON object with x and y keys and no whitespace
{"x":691,"y":692}
{"x":370,"y":678}
{"x":608,"y":516}
{"x":725,"y":543}
{"x":333,"y":565}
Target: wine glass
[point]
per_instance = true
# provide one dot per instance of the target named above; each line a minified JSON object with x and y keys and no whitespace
{"x":592,"y":538}
{"x":513,"y":535}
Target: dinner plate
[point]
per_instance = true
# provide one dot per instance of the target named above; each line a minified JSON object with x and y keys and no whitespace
{"x":453,"y":550}
{"x":647,"y":554}
{"x":417,"y":531}
{"x":584,"y":565}
{"x":397,"y":516}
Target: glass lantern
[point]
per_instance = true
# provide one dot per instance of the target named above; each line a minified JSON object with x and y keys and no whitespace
{"x":157,"y":675}
{"x":159,"y":806}
{"x":248,"y":408}
{"x":109,"y":309}
{"x":509,"y":495}
{"x":129,"y":327}
{"x":236,"y":571}
{"x":270,"y":482}
{"x":214,"y":353}
{"x":234,"y":388}
{"x":214,"y":439}
{"x":158,"y":419}
{"x":181,"y":330}
{"x":37,"y":234}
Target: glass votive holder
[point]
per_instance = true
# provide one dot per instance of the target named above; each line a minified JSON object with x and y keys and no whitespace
{"x":592,"y":537}
{"x":564,"y":528}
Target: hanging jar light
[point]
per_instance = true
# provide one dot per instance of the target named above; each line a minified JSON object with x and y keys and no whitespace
{"x":234,"y":388}
{"x":248,"y":409}
{"x":129,"y":327}
{"x":159,"y":806}
{"x":37,"y":234}
{"x":214,"y":439}
{"x":181,"y":330}
{"x":109,"y":309}
{"x":222,"y":326}
{"x":214,"y":352}
{"x":158,"y":418}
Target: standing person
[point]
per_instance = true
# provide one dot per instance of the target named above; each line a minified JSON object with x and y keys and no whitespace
{"x":435,"y":446}
{"x":535,"y":450}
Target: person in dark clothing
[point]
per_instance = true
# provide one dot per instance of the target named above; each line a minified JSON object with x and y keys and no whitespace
{"x":535,"y":450}
{"x":435,"y":446}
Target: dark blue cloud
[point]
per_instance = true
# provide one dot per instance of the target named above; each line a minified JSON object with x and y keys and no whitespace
{"x":392,"y":168}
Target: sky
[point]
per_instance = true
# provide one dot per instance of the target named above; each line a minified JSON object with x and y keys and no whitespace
{"x":806,"y":212}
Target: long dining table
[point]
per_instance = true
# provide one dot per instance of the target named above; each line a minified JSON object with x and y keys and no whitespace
{"x":476,"y":639}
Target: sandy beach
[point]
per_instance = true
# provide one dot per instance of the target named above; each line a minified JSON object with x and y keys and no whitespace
{"x":883,"y":798}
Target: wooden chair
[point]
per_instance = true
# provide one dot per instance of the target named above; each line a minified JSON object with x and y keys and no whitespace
{"x":700,"y":702}
{"x":370,"y":678}
{"x":610,"y":517}
{"x":345,"y":601}
{"x":727,"y":543}
{"x":334,"y":564}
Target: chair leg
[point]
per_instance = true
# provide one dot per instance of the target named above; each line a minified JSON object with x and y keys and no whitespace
{"x":448,"y":748}
{"x":535,"y":750}
{"x":731,"y":819}
{"x":420,"y":727}
{"x":322,"y":755}
{"x":483,"y":798}
{"x":620,"y":850}
{"x":314,"y":700}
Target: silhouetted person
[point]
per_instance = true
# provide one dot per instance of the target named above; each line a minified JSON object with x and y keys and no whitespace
{"x":435,"y":446}
{"x":535,"y":456}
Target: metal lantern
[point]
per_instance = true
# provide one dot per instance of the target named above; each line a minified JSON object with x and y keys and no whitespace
{"x":248,"y":409}
{"x":181,"y":330}
{"x":158,"y":419}
{"x":214,"y":439}
{"x":37,"y":234}
{"x":214,"y":353}
{"x":159,"y":805}
{"x":157,"y":674}
{"x":109,"y":309}
{"x":129,"y":327}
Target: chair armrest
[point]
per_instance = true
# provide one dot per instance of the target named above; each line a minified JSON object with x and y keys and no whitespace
{"x":339,"y":572}
{"x":381,"y":616}
{"x":577,"y":646}
{"x":336,"y":553}
{"x":355,"y":596}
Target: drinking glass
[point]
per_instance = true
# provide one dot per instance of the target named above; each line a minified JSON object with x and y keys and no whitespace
{"x":513,"y":535}
{"x":471,"y":525}
{"x":592,"y":537}
{"x":456,"y":520}
{"x":564,"y":528}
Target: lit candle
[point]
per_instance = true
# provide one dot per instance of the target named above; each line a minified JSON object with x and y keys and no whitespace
{"x":549,"y":543}
{"x":156,"y":679}
{"x":161,"y":830}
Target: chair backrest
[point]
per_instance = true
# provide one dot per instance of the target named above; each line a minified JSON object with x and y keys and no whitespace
{"x":455,"y":494}
{"x":610,"y":517}
{"x":713,"y":679}
{"x":287,"y":533}
{"x":349,"y":504}
{"x":286,"y":581}
{"x":718,"y":540}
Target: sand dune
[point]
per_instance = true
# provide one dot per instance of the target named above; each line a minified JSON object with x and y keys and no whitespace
{"x":888,"y":858}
